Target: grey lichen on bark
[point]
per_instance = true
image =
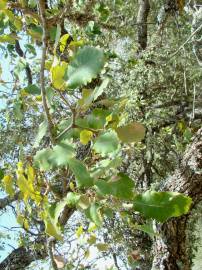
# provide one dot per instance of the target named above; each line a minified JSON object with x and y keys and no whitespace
{"x":171,"y":249}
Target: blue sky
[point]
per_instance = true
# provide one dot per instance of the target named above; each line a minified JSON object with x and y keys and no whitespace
{"x":6,"y":219}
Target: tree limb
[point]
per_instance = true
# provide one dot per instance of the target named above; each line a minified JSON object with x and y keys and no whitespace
{"x":143,"y":13}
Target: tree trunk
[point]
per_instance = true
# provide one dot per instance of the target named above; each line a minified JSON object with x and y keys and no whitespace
{"x":171,"y":249}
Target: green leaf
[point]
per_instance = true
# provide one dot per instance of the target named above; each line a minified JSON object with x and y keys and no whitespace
{"x":95,"y":120}
{"x":60,"y":154}
{"x":162,"y":205}
{"x":41,"y":159}
{"x":57,"y":35}
{"x":86,"y":65}
{"x":83,"y":178}
{"x":100,"y":89}
{"x":72,"y":198}
{"x":147,"y":228}
{"x":104,"y":166}
{"x":35,"y":31}
{"x":33,"y":89}
{"x":79,"y":231}
{"x":31,"y":49}
{"x":103,"y":11}
{"x":32,"y":3}
{"x":133,"y":132}
{"x":52,"y":230}
{"x":106,"y":143}
{"x":84,"y":202}
{"x":52,"y":213}
{"x":93,"y":213}
{"x":121,"y":187}
{"x":57,"y":157}
{"x":88,"y":96}
{"x":18,"y":109}
{"x":41,"y":133}
{"x":92,"y":29}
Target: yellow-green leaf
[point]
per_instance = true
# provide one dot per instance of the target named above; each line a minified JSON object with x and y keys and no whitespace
{"x":85,"y":136}
{"x":52,"y":229}
{"x":102,"y":247}
{"x":23,"y":221}
{"x":57,"y":75}
{"x":7,"y":39}
{"x":8,"y":184}
{"x":133,"y":132}
{"x":79,"y":231}
{"x":92,"y":239}
{"x":63,"y":42}
{"x":3,"y":4}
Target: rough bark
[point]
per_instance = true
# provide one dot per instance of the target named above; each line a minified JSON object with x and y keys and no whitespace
{"x":171,"y":249}
{"x":143,"y":13}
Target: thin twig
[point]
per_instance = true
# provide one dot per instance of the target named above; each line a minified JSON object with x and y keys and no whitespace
{"x":194,"y":100}
{"x":182,"y":46}
{"x":65,"y":100}
{"x":72,"y":125}
{"x":42,"y":77}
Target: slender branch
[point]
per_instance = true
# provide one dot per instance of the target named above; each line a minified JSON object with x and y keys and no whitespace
{"x":65,"y":100}
{"x":8,"y":200}
{"x":186,"y":41}
{"x":72,"y":125}
{"x":42,"y":75}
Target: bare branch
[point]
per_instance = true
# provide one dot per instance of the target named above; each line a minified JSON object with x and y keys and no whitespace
{"x":8,"y":200}
{"x":187,"y":40}
{"x":42,"y":75}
